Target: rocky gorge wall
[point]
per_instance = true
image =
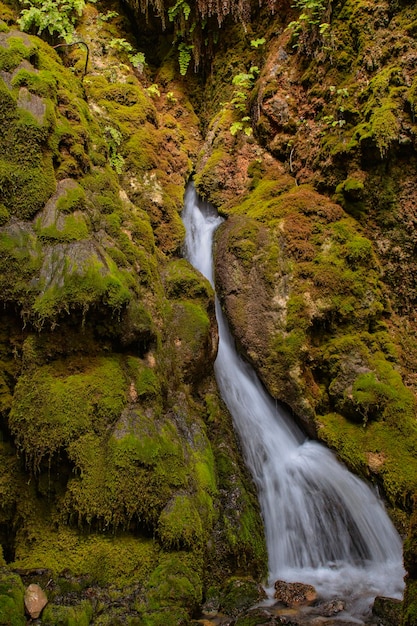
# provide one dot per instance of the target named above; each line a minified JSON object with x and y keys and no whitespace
{"x":121,"y":479}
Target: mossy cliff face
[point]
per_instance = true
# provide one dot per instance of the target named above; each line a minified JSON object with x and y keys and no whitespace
{"x":118,"y":460}
{"x":309,"y":150}
{"x":313,"y":162}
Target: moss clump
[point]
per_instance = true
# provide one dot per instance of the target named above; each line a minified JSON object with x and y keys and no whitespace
{"x":98,"y":559}
{"x":73,"y":200}
{"x":79,"y":615}
{"x":12,"y":612}
{"x":191,"y":346}
{"x":129,"y":478}
{"x":182,"y":281}
{"x":207,"y":180}
{"x":409,"y":616}
{"x":4,"y":214}
{"x":174,"y":584}
{"x":179,"y":525}
{"x":71,"y":228}
{"x":58,"y":403}
{"x":18,"y":47}
{"x":385,"y":128}
{"x":238,"y":539}
{"x":350,"y":194}
{"x":80,"y":287}
{"x":41,"y":83}
{"x":240,"y":594}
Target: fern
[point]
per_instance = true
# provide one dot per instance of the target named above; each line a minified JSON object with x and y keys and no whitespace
{"x":57,"y":17}
{"x":184,"y":57}
{"x":180,"y":7}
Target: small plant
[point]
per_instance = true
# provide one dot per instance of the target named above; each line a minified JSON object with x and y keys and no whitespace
{"x":309,"y":28}
{"x":114,"y":139}
{"x":243,"y":125}
{"x":171,"y":98}
{"x":244,"y":82}
{"x":184,"y":57}
{"x":341,"y":94}
{"x":153,"y":91}
{"x":180,"y":8}
{"x":136,"y":58}
{"x":106,"y":17}
{"x":255,"y":43}
{"x":57,"y":17}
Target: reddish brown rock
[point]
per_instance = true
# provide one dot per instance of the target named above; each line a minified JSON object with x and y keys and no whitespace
{"x":294,"y":594}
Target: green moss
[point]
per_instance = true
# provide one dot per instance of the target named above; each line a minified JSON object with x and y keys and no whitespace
{"x":179,"y":524}
{"x":410,"y":548}
{"x":19,"y":47}
{"x":53,"y":406}
{"x":238,"y":525}
{"x":382,"y":395}
{"x":182,"y":281}
{"x":21,"y":258}
{"x":79,"y":615}
{"x":11,"y":484}
{"x":73,"y":200}
{"x":207,"y":180}
{"x":385,"y":128}
{"x":146,"y":380}
{"x":42,"y":83}
{"x":82,"y":287}
{"x":396,"y":450}
{"x":238,"y":595}
{"x":117,"y":559}
{"x":350,"y":194}
{"x":130,"y":477}
{"x":72,"y":228}
{"x":176,"y":582}
{"x":26,"y":176}
{"x":409,"y":616}
{"x":4,"y":214}
{"x":359,"y":251}
{"x":12,"y":611}
{"x":141,"y":149}
{"x":122,"y":101}
{"x":26,"y":189}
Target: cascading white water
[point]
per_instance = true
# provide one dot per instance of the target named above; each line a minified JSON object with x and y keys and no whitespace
{"x":323,"y":525}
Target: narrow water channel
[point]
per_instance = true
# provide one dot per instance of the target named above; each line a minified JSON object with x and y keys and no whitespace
{"x":323,"y":525}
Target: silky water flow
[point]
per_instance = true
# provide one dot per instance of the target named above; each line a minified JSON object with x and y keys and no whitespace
{"x":323,"y":525}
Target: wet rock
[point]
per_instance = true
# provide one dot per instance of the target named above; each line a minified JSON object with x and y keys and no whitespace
{"x":387,"y":610}
{"x":35,"y":600}
{"x":258,"y":617}
{"x":294,"y":594}
{"x":277,"y":110}
{"x":239,"y":595}
{"x":328,"y":609}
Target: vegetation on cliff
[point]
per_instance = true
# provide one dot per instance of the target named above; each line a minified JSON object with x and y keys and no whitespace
{"x":113,"y":473}
{"x":118,"y":458}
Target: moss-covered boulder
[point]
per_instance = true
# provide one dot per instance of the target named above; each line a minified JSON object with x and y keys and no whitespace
{"x":12,"y":610}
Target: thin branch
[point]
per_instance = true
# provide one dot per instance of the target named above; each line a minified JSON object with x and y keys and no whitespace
{"x":81,"y":43}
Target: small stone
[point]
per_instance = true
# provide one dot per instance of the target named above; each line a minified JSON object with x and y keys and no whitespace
{"x":35,"y":600}
{"x":331,"y":608}
{"x":294,"y":594}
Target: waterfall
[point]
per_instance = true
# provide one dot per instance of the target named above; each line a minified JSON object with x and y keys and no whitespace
{"x":323,"y":525}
